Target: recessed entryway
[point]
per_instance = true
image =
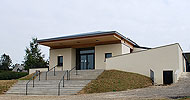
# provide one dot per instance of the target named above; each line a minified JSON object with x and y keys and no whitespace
{"x":168,"y":77}
{"x":85,"y":58}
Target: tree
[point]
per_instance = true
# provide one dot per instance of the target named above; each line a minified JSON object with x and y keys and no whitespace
{"x":34,"y":57}
{"x":5,"y":62}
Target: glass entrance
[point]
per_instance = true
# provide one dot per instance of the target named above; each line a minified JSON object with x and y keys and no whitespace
{"x":85,"y":58}
{"x":86,"y":61}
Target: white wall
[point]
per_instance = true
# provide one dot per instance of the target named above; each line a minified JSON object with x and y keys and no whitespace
{"x":69,"y":55}
{"x":125,"y":49}
{"x":69,"y":58}
{"x":115,"y":49}
{"x":156,"y":59}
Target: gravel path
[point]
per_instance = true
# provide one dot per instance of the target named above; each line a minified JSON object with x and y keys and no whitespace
{"x":177,"y":90}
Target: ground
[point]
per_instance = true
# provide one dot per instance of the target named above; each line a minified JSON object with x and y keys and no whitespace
{"x":6,"y":84}
{"x":177,"y":90}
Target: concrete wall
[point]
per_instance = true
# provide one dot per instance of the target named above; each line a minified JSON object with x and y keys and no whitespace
{"x":115,"y":49}
{"x":34,"y":70}
{"x":69,"y":55}
{"x":73,"y":57}
{"x":125,"y":49}
{"x":69,"y":58}
{"x":156,"y":59}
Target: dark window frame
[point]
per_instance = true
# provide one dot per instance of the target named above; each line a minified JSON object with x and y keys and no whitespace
{"x":106,"y":56}
{"x":58,"y":61}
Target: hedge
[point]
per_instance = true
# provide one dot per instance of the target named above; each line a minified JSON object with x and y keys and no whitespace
{"x":8,"y":75}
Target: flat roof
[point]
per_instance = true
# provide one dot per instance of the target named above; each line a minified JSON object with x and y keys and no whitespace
{"x":97,"y":33}
{"x":84,"y":40}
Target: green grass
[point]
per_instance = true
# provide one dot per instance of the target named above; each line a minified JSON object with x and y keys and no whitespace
{"x":114,"y":80}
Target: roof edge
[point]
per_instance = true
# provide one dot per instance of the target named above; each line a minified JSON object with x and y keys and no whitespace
{"x":97,"y":33}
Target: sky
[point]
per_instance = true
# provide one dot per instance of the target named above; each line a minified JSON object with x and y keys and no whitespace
{"x":150,"y":23}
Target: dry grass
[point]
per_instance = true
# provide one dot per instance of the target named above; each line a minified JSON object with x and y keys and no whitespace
{"x":113,"y":80}
{"x":5,"y":85}
{"x":28,"y":77}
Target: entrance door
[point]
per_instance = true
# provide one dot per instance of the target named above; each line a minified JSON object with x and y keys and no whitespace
{"x":83,"y":62}
{"x":85,"y":58}
{"x":86,"y":61}
{"x":168,"y":77}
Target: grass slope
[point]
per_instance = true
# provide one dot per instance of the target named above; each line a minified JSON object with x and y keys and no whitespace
{"x":28,"y":77}
{"x":114,"y":80}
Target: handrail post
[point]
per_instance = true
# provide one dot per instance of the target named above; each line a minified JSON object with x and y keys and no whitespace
{"x":46,"y":75}
{"x":26,"y":89}
{"x":39,"y":75}
{"x":33,"y":81}
{"x":58,"y":89}
{"x":54,"y":71}
{"x":63,"y":81}
{"x":67,"y":75}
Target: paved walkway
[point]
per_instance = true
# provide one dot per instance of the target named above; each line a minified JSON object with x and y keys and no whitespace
{"x":177,"y":90}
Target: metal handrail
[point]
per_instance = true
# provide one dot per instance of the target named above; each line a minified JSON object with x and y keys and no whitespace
{"x":63,"y":78}
{"x":36,"y":74}
{"x":72,"y":70}
{"x":50,"y":70}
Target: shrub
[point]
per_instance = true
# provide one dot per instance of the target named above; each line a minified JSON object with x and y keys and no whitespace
{"x":8,"y":75}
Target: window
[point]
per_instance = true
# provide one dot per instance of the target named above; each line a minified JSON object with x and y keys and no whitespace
{"x":86,"y":51}
{"x":60,"y":61}
{"x":108,"y":55}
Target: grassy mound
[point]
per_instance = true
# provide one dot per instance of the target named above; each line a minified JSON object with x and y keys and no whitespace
{"x":114,"y":80}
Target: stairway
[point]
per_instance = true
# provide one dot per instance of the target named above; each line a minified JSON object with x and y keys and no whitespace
{"x":50,"y":86}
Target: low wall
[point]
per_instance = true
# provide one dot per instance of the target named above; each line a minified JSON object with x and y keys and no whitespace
{"x":34,"y":70}
{"x":152,"y":61}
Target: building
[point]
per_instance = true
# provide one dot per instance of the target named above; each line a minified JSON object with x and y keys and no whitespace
{"x":18,"y":68}
{"x":112,"y":50}
{"x":187,"y":57}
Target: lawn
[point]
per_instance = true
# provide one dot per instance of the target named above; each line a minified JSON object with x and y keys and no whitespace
{"x":114,"y":80}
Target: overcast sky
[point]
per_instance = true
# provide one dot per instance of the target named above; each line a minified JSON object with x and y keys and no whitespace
{"x":149,"y":23}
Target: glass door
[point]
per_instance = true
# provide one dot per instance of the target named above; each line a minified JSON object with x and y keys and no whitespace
{"x":90,"y":61}
{"x":83,"y":62}
{"x":85,"y":58}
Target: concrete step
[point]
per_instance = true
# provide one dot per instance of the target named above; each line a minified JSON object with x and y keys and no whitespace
{"x":50,"y":86}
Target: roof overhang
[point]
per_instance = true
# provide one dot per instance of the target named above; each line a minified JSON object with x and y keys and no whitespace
{"x":86,"y":40}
